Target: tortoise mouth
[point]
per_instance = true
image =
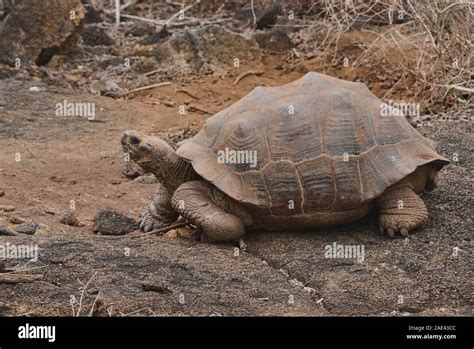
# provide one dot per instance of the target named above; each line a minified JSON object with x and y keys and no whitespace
{"x":127,"y":149}
{"x":130,"y":141}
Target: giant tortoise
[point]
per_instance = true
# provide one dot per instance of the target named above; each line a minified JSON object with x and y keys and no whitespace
{"x":315,"y":152}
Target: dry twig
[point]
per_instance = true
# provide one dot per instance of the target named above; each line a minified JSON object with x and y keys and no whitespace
{"x":8,"y":278}
{"x":146,"y":87}
{"x":182,"y":90}
{"x":163,"y":230}
{"x":243,"y":75}
{"x":82,"y":293}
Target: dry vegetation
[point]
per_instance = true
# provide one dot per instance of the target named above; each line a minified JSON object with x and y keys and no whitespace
{"x":427,"y":46}
{"x":423,"y":48}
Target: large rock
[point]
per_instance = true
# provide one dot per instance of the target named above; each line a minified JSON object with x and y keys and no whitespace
{"x":33,"y":31}
{"x":206,"y":50}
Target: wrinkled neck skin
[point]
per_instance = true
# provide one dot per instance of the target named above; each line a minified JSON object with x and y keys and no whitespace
{"x":171,"y":170}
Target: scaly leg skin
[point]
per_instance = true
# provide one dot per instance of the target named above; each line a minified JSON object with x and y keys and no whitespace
{"x":196,"y":201}
{"x":159,"y":212}
{"x":401,"y":210}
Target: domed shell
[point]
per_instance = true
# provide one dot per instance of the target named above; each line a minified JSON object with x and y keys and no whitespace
{"x":318,"y":143}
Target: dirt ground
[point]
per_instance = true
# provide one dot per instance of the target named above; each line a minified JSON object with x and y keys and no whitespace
{"x":65,"y":159}
{"x":47,"y":161}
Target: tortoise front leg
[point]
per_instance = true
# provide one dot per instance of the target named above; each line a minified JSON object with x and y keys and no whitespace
{"x":401,"y":210}
{"x":195,"y":201}
{"x":159,"y":212}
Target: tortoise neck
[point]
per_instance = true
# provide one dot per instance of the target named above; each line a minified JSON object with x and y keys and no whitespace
{"x":171,"y":170}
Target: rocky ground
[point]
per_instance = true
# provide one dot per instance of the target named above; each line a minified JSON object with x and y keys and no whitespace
{"x":50,"y":163}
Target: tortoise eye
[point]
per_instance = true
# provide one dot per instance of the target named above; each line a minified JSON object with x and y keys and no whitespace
{"x":134,"y":140}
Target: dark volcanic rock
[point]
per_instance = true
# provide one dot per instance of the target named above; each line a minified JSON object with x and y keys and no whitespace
{"x":274,"y":41}
{"x":6,"y":231}
{"x":269,"y":16}
{"x":95,"y":36}
{"x":156,"y":37}
{"x":28,"y":228}
{"x":36,"y":30}
{"x":264,"y":17}
{"x":109,"y":222}
{"x":93,"y":15}
{"x":206,"y":50}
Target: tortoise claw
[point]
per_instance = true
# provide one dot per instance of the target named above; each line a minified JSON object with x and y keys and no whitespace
{"x":391,"y":233}
{"x":242,"y":245}
{"x":381,"y":229}
{"x":404,"y":232}
{"x":148,"y":222}
{"x":196,"y":234}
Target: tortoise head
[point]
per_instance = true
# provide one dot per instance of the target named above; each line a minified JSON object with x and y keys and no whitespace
{"x":147,"y":151}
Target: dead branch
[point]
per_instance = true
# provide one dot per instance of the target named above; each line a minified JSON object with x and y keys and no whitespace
{"x":164,"y":23}
{"x":198,"y":22}
{"x":82,"y":293}
{"x":460,"y":88}
{"x":193,"y":108}
{"x":19,"y":278}
{"x":455,"y":4}
{"x":152,"y":72}
{"x":254,"y":26}
{"x":146,"y":87}
{"x":182,"y":90}
{"x":91,"y":312}
{"x":167,"y":103}
{"x":243,"y":75}
{"x":182,"y":11}
{"x":163,"y":230}
{"x":117,"y":12}
{"x":123,"y":7}
{"x":148,"y":20}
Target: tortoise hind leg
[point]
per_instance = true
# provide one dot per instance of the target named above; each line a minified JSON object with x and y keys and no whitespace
{"x":194,"y":201}
{"x":401,"y":210}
